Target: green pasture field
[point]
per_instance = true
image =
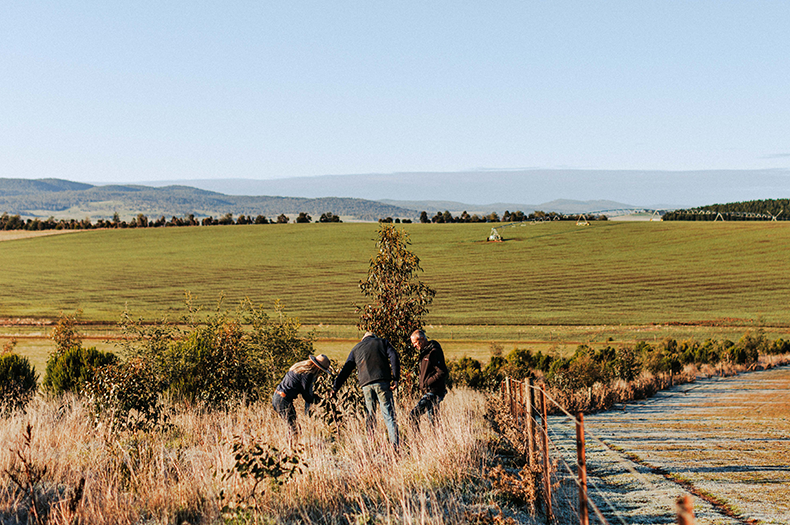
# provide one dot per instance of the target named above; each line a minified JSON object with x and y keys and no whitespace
{"x":551,"y":273}
{"x":547,"y":285}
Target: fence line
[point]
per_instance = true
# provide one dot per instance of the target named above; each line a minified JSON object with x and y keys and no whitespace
{"x":527,"y":404}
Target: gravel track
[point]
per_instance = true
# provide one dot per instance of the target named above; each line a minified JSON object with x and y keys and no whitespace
{"x":725,"y":440}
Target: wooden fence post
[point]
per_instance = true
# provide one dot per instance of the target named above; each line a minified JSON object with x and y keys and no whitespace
{"x":530,"y":415}
{"x":581,"y":461}
{"x":513,"y":398}
{"x":686,"y":510}
{"x":520,"y":402}
{"x":507,"y":393}
{"x":546,"y":466}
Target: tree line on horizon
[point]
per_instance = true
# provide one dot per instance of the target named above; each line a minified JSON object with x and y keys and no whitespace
{"x":16,"y":222}
{"x":756,"y":210}
{"x":516,"y":216}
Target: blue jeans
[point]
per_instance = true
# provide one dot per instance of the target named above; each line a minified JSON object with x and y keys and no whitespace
{"x":428,"y":403}
{"x":380,"y":394}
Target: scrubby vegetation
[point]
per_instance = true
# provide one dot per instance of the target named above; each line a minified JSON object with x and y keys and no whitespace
{"x":633,"y":371}
{"x":18,"y":379}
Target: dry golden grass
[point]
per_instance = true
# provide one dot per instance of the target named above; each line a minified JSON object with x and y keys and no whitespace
{"x":176,"y":475}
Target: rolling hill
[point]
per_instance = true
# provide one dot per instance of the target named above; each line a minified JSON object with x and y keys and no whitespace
{"x":66,"y":199}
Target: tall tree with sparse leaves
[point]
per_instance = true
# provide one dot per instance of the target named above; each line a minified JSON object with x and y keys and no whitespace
{"x":398,"y":299}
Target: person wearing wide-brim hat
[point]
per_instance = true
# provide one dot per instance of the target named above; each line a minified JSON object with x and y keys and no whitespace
{"x":299,"y":380}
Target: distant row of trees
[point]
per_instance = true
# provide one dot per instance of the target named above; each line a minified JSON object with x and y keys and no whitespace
{"x":758,"y":210}
{"x":516,"y":216}
{"x":696,"y":215}
{"x":15,"y":222}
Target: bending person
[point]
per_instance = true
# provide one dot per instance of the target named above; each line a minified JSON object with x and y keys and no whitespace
{"x":299,"y":380}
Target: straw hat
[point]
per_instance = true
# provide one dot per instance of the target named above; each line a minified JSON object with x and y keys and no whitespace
{"x":321,"y":362}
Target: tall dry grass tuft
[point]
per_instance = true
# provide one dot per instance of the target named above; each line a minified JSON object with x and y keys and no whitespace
{"x":186,"y":471}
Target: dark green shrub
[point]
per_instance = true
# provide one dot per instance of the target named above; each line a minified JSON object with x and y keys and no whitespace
{"x":211,"y":366}
{"x":127,"y":396}
{"x":626,"y":365}
{"x":70,"y":370}
{"x":494,"y":372}
{"x":18,"y":381}
{"x":780,"y":346}
{"x":466,"y":372}
{"x":747,"y":350}
{"x":583,"y":372}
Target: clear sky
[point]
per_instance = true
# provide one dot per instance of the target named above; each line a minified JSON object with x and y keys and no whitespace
{"x":110,"y":91}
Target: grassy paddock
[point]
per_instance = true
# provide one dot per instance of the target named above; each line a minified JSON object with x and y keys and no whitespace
{"x":608,"y":273}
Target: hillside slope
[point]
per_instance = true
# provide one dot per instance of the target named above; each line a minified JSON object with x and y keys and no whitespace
{"x":60,"y":198}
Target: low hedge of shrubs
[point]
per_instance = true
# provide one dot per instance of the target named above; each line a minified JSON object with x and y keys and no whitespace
{"x":588,"y":366}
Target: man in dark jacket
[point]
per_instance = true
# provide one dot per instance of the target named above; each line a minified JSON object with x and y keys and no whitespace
{"x":378,"y":371}
{"x":433,"y":376}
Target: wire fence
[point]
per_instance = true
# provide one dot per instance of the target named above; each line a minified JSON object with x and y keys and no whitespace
{"x":559,"y":451}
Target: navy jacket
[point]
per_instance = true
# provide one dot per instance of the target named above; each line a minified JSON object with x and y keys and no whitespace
{"x":294,"y":384}
{"x":376,"y":361}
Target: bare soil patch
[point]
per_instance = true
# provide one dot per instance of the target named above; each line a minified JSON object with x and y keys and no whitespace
{"x":13,"y":235}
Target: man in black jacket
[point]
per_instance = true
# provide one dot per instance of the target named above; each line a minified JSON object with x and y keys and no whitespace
{"x":378,"y":371}
{"x":433,"y":376}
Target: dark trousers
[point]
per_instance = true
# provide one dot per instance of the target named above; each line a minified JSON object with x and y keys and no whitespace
{"x":285,"y":408}
{"x":428,"y":403}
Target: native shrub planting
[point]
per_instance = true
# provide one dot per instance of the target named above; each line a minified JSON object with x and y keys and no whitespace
{"x":18,"y":381}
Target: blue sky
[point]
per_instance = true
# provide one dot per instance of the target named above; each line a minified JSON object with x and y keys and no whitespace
{"x":141,"y":91}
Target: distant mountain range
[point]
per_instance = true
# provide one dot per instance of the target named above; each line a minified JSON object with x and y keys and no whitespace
{"x":526,"y":187}
{"x":67,"y":199}
{"x":560,"y":206}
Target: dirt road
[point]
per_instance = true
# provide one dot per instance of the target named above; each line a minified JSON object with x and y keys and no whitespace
{"x":724,"y":440}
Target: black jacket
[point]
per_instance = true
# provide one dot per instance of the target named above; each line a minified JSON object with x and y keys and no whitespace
{"x":376,"y":361}
{"x":433,"y":369}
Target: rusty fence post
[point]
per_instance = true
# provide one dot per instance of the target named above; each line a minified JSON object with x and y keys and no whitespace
{"x":686,"y":510}
{"x":546,"y":465}
{"x":581,"y":462}
{"x":530,"y":415}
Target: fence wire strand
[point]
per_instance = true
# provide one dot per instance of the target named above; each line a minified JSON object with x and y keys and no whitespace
{"x":515,"y":403}
{"x":575,"y":479}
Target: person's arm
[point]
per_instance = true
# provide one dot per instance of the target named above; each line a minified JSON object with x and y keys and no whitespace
{"x":392,"y":355}
{"x":350,"y":365}
{"x":438,"y":368}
